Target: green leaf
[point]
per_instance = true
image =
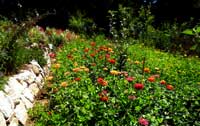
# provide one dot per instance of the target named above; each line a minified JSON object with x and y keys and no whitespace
{"x":188,"y":32}
{"x":198,"y":29}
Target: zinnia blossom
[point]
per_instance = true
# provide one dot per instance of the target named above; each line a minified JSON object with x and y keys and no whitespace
{"x":169,"y":87}
{"x":52,"y":55}
{"x":112,"y":61}
{"x":163,"y":82}
{"x":104,"y":98}
{"x":92,"y":43}
{"x":138,"y":86}
{"x":151,"y":79}
{"x":77,"y":79}
{"x":102,"y":81}
{"x":114,"y":72}
{"x":130,"y":79}
{"x":146,"y":70}
{"x":142,"y":121}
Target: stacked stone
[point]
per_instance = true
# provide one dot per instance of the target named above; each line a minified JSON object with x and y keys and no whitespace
{"x":20,"y":92}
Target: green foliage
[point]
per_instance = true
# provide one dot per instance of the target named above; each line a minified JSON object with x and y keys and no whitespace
{"x":87,"y":87}
{"x":195,"y":33}
{"x":82,"y":24}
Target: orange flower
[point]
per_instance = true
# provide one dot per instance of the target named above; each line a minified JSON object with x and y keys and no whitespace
{"x":146,"y":70}
{"x":163,"y":82}
{"x":86,"y":50}
{"x":92,"y":43}
{"x":169,"y":87}
{"x":64,"y":84}
{"x":102,"y":82}
{"x":104,"y":98}
{"x":151,"y":79}
{"x":76,"y":69}
{"x":92,"y":54}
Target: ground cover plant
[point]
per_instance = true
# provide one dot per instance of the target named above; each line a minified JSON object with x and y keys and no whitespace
{"x":91,"y":84}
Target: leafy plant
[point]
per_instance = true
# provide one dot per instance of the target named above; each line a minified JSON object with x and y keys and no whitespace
{"x":195,"y":33}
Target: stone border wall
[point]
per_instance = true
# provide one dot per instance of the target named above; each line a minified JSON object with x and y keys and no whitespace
{"x":20,"y":91}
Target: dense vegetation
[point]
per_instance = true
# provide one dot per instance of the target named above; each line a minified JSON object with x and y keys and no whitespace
{"x":128,"y":71}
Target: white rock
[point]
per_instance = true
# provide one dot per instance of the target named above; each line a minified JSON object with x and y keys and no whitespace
{"x":39,"y":81}
{"x":33,"y":62}
{"x":2,"y":120}
{"x":26,"y":102}
{"x":15,"y":85}
{"x":6,"y":105}
{"x":21,"y":113}
{"x":6,"y":88}
{"x":35,"y":69}
{"x":27,"y":76}
{"x":15,"y":90}
{"x":14,"y":122}
{"x":34,"y":89}
{"x":28,"y":94}
{"x":23,"y":83}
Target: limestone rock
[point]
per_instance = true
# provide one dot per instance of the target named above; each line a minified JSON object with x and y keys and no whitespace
{"x":2,"y":120}
{"x":6,"y":105}
{"x":28,"y":94}
{"x":34,"y":89}
{"x":21,"y":113}
{"x":36,"y":70}
{"x":14,"y":122}
{"x":26,"y":102}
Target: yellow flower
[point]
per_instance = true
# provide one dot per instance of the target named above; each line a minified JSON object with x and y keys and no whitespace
{"x":105,"y":68}
{"x":137,"y":62}
{"x":146,"y":70}
{"x":56,"y":66}
{"x":75,"y":64}
{"x":64,"y":84}
{"x":86,"y":69}
{"x":49,"y":78}
{"x":114,"y":72}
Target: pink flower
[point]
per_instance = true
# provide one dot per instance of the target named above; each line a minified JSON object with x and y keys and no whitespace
{"x":52,"y":55}
{"x":130,"y":79}
{"x":143,"y":121}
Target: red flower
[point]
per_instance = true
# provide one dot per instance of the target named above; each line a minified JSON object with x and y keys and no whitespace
{"x":169,"y":87}
{"x":163,"y":82}
{"x":130,"y":79}
{"x":138,"y":86}
{"x":143,"y":121}
{"x":102,"y":81}
{"x":52,"y":55}
{"x":112,"y":61}
{"x":92,"y":43}
{"x":151,"y":79}
{"x":104,"y":98}
{"x":77,"y":79}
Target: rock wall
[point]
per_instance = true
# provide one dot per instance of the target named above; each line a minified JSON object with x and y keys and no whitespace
{"x":20,"y":91}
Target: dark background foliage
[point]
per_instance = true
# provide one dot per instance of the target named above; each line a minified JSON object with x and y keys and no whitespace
{"x":163,"y":10}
